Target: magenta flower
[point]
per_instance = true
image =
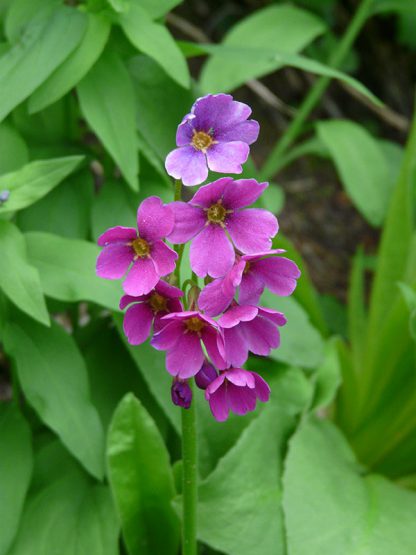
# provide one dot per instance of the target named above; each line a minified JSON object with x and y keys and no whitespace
{"x":251,"y":273}
{"x":181,"y":394}
{"x":181,"y":338}
{"x":149,"y":309}
{"x":250,"y":328}
{"x":149,"y":257}
{"x":214,"y":213}
{"x":206,"y":375}
{"x":236,"y":390}
{"x":215,"y":135}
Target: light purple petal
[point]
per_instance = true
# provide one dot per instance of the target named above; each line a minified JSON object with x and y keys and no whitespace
{"x":227,"y":157}
{"x":262,"y":388}
{"x":163,"y":257}
{"x":274,"y":316}
{"x":213,"y":342}
{"x":128,"y":299}
{"x":261,"y":335}
{"x":246,"y":131}
{"x":185,"y":131}
{"x":188,"y":164}
{"x":219,"y":404}
{"x":251,"y":288}
{"x":167,"y":337}
{"x":184,"y":315}
{"x":251,"y":230}
{"x":242,"y":399}
{"x":213,"y":300}
{"x":243,"y":192}
{"x":186,"y":357}
{"x":114,"y":260}
{"x":167,"y":290}
{"x":189,"y":220}
{"x":278,"y":274}
{"x":241,"y":377}
{"x":233,"y":278}
{"x":219,"y":112}
{"x":154,"y":219}
{"x":117,"y":234}
{"x":214,"y":385}
{"x":211,"y":193}
{"x":236,"y":350}
{"x":259,"y":255}
{"x":137,"y":323}
{"x":237,"y":314}
{"x":141,"y":278}
{"x":211,"y":252}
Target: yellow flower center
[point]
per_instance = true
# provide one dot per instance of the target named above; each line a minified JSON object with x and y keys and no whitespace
{"x":194,"y":324}
{"x":158,"y":303}
{"x":201,"y":140}
{"x":141,"y":247}
{"x":216,"y":213}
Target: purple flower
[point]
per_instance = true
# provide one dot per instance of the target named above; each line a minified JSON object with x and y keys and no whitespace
{"x":149,"y":309}
{"x":251,"y":273}
{"x":206,"y":375}
{"x":250,"y":328}
{"x":214,"y":213}
{"x":236,"y":390}
{"x":215,"y":135}
{"x":150,"y":258}
{"x":181,"y":394}
{"x":181,"y":338}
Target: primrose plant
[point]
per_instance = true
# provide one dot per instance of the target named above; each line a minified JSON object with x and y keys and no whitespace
{"x":208,"y":334}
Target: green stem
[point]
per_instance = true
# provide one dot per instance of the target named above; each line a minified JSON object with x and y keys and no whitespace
{"x":189,"y":490}
{"x":315,"y":93}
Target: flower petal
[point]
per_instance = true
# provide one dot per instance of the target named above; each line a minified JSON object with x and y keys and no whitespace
{"x":243,"y":192}
{"x":219,"y":112}
{"x":117,"y":234}
{"x":137,"y":323}
{"x":186,"y":357}
{"x":167,"y":337}
{"x":261,"y":336}
{"x":237,"y":314}
{"x":188,"y":164}
{"x":185,"y":130}
{"x":167,"y":290}
{"x":278,"y":274}
{"x":213,"y":342}
{"x":242,"y":399}
{"x":211,"y":193}
{"x":262,"y":388}
{"x":241,"y":377}
{"x":219,"y":403}
{"x":251,"y":288}
{"x":129,"y":299}
{"x":274,"y":316}
{"x":211,"y":252}
{"x":154,"y":219}
{"x":114,"y":260}
{"x":189,"y":220}
{"x":163,"y":257}
{"x":213,"y":300}
{"x":236,"y":350}
{"x":141,"y":278}
{"x":227,"y":157}
{"x":251,"y":230}
{"x":246,"y":131}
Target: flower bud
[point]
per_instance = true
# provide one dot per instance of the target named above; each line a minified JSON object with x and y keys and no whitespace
{"x":181,"y":394}
{"x":205,"y":376}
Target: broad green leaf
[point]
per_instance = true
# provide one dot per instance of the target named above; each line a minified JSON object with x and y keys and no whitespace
{"x":22,"y":12}
{"x":154,"y":89}
{"x":19,"y":280}
{"x":106,"y":97}
{"x":158,"y":8}
{"x":66,"y":512}
{"x":43,"y":47}
{"x":35,"y":180}
{"x":357,"y":317}
{"x":363,"y":169}
{"x":300,"y":343}
{"x":67,"y":270}
{"x":385,"y":6}
{"x":141,"y":481}
{"x":327,"y":377}
{"x":120,"y":6}
{"x":281,"y":28}
{"x":155,"y":40}
{"x":54,"y":380}
{"x":75,"y":67}
{"x":13,"y":152}
{"x":16,"y":462}
{"x":330,"y":507}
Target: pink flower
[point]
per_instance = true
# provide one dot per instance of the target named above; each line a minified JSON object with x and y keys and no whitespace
{"x":206,"y":375}
{"x":149,"y":257}
{"x":236,"y":390}
{"x":215,"y":135}
{"x":181,"y":337}
{"x":213,"y":215}
{"x":250,"y":274}
{"x":149,"y":309}
{"x":250,"y":328}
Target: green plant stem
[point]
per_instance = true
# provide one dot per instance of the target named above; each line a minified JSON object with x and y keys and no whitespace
{"x":315,"y":93}
{"x":189,"y":489}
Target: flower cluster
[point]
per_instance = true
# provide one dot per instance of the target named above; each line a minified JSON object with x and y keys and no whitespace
{"x":207,"y":335}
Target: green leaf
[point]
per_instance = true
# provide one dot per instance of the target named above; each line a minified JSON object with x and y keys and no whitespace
{"x":141,"y":481}
{"x":43,"y":47}
{"x":362,"y":166}
{"x":328,"y":376}
{"x":53,"y":377}
{"x":22,"y":12}
{"x":357,"y":317}
{"x":66,"y":512}
{"x":266,"y":32}
{"x":155,"y":40}
{"x":13,"y":153}
{"x":106,"y":97}
{"x":35,"y":180}
{"x":67,"y":270}
{"x":75,"y":67}
{"x":19,"y":280}
{"x":158,"y":8}
{"x":332,"y":508}
{"x":385,"y":6}
{"x":16,"y":462}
